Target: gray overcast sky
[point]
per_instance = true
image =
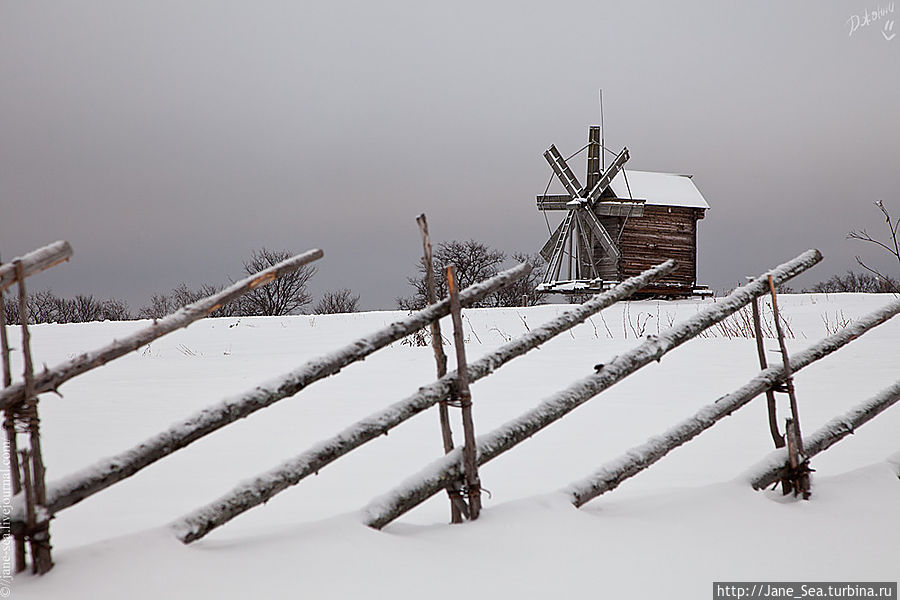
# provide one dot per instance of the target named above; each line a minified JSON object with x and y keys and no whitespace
{"x":167,"y":139}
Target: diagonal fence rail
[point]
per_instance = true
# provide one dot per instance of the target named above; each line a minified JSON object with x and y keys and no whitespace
{"x":772,"y":469}
{"x":109,"y":471}
{"x":640,"y":457}
{"x":448,"y":469}
{"x":263,"y":487}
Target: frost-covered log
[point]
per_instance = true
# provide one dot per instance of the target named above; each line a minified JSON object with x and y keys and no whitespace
{"x":34,"y":262}
{"x":263,"y":487}
{"x":439,"y":474}
{"x":78,"y":486}
{"x":773,"y":467}
{"x":51,"y":379}
{"x":640,"y":457}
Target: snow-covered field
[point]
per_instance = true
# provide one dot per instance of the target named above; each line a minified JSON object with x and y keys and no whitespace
{"x":668,"y":533}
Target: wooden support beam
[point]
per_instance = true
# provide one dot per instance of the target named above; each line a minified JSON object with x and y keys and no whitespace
{"x":640,"y":457}
{"x":457,"y":505}
{"x":433,"y":478}
{"x":774,"y":467}
{"x":248,"y":494}
{"x":108,"y":471}
{"x":35,"y":262}
{"x":464,"y":395}
{"x":50,"y":379}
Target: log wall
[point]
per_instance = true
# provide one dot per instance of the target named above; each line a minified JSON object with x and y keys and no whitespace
{"x":662,"y":232}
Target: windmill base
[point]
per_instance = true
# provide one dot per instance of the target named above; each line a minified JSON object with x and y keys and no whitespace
{"x":588,"y":287}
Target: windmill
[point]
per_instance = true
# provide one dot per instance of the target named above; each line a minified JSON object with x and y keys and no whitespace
{"x":581,"y":253}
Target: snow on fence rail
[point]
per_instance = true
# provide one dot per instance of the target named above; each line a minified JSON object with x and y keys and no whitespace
{"x":771,"y":469}
{"x":50,"y":379}
{"x":640,"y":457}
{"x":106,"y":472}
{"x":35,"y":261}
{"x":448,"y":469}
{"x":263,"y":487}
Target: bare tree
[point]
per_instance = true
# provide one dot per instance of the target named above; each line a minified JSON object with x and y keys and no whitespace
{"x":115,"y":309}
{"x":46,"y":307}
{"x":475,"y":261}
{"x":160,"y":305}
{"x":892,"y":246}
{"x":181,"y":295}
{"x":524,"y":291}
{"x":286,"y":295}
{"x":339,"y":301}
{"x":857,"y":282}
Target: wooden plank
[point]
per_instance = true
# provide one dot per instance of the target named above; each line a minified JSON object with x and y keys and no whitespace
{"x":35,"y":262}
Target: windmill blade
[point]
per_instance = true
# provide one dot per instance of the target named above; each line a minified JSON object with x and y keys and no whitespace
{"x":600,"y":232}
{"x":587,"y":268}
{"x":563,"y":172}
{"x":547,"y":250}
{"x":607,"y":177}
{"x":595,"y":154}
{"x":555,"y":263}
{"x":553,"y":202}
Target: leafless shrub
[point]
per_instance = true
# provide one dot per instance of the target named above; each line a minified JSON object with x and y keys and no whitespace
{"x":740,"y":324}
{"x":892,"y":246}
{"x":181,"y":295}
{"x":637,"y":324}
{"x":475,"y":261}
{"x":46,"y":307}
{"x":835,"y":324}
{"x":285,"y":295}
{"x":338,"y":301}
{"x":857,"y":282}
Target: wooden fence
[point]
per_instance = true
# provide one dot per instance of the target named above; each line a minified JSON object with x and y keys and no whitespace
{"x":450,"y":471}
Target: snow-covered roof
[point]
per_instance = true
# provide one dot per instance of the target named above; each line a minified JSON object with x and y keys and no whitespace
{"x":660,"y":189}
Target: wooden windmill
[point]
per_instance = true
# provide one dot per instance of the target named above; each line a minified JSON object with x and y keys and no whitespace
{"x":583,"y":251}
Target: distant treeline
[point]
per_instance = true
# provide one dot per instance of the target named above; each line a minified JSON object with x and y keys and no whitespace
{"x":46,"y":307}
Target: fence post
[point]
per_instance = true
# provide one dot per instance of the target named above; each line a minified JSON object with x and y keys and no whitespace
{"x":763,"y":365}
{"x":457,"y":504}
{"x":470,"y":464}
{"x":798,"y":480}
{"x":39,"y":532}
{"x":9,"y":426}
